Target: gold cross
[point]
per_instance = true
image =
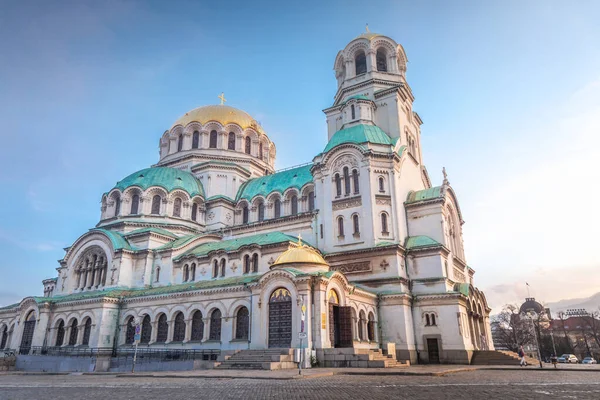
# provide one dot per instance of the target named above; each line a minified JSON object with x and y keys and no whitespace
{"x":367,"y":28}
{"x":300,"y":239}
{"x":222,"y":97}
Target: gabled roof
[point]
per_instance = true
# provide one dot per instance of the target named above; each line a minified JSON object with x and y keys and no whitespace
{"x":165,"y":177}
{"x":414,"y":242}
{"x":235,"y":244}
{"x":425,"y":194}
{"x":277,"y":182}
{"x":158,"y":231}
{"x":359,"y":134}
{"x":116,"y":239}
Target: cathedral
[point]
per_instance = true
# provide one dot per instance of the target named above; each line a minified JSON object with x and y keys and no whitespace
{"x":212,"y":248}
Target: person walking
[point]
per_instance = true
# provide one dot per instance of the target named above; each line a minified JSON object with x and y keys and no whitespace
{"x":522,"y":357}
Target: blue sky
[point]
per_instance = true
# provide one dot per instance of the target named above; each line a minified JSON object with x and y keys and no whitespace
{"x":509,"y":92}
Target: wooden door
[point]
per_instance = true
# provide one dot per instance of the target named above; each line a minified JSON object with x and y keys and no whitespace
{"x":345,"y":327}
{"x":280,"y":319}
{"x":433,"y":351}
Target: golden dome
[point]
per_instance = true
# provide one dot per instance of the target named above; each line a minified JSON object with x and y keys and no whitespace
{"x":219,"y":113}
{"x":368,"y":35}
{"x":300,"y":255}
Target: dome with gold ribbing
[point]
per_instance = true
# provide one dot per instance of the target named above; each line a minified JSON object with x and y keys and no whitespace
{"x":301,"y":256}
{"x":219,"y":113}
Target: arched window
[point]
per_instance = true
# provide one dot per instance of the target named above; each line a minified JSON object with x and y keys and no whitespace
{"x":194,"y":211}
{"x":355,"y":224}
{"x":177,"y":207}
{"x":155,"y":205}
{"x":4,"y":334}
{"x":135,"y":203}
{"x":179,"y":328}
{"x":384,"y":223}
{"x":117,"y":206}
{"x":340,"y":222}
{"x":381,"y":184}
{"x":215,"y":269}
{"x":197,"y":326}
{"x":360,"y":61}
{"x":338,"y":185}
{"x":371,"y":327}
{"x":195,"y":140}
{"x":180,"y":143}
{"x":346,"y":181}
{"x":231,"y":141}
{"x":255,"y":262}
{"x":277,"y":208}
{"x":361,"y":325}
{"x":186,"y":273}
{"x":245,"y":214}
{"x":381,"y":58}
{"x":242,"y":323}
{"x":157,"y":274}
{"x":162,"y":329}
{"x":261,"y":211}
{"x":294,"y":201}
{"x":215,"y":325}
{"x":433,"y":319}
{"x":311,"y":201}
{"x":60,"y":334}
{"x":146,"y":330}
{"x":248,"y":145}
{"x":193,"y":272}
{"x":129,"y":331}
{"x":427,"y":322}
{"x":73,"y":334}
{"x":246,"y":264}
{"x":355,"y":181}
{"x":260,"y":151}
{"x":222,"y":267}
{"x":353,"y":111}
{"x":213,"y":140}
{"x":87,"y":330}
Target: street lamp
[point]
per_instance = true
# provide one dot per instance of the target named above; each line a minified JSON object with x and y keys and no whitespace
{"x":530,"y":314}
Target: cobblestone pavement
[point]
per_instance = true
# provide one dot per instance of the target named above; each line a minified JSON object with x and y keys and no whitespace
{"x":480,"y":384}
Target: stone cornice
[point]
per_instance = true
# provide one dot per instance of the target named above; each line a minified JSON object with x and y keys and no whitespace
{"x":148,"y":224}
{"x":256,"y":162}
{"x":208,"y":165}
{"x":330,"y":257}
{"x":300,"y":217}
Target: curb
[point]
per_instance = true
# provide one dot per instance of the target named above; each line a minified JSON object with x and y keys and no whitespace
{"x":280,"y":378}
{"x":407,"y":373}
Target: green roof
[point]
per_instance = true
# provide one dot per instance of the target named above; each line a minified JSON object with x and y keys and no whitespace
{"x":235,"y":244}
{"x":164,"y":177}
{"x":357,"y":97}
{"x":153,"y":230}
{"x":277,"y":182}
{"x":400,"y":150}
{"x":359,"y":134}
{"x":220,"y":196}
{"x":117,"y":240}
{"x":462,"y":288}
{"x":425,"y":194}
{"x":413,"y":242}
{"x":177,"y":242}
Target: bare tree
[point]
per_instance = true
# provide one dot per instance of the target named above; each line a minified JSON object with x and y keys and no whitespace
{"x":510,"y":330}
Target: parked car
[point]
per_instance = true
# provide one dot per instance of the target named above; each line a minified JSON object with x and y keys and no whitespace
{"x":568,"y":358}
{"x":589,"y":360}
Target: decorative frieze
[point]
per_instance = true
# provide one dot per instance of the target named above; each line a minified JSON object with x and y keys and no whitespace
{"x":353,"y":268}
{"x":347,"y":203}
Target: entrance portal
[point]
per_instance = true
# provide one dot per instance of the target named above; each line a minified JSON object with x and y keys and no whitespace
{"x":340,"y":322}
{"x":433,"y":351}
{"x":28,"y":329}
{"x":280,"y":318}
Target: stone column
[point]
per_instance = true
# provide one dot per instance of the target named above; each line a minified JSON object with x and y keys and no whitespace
{"x":154,"y":325}
{"x":188,"y":330}
{"x":171,"y":325}
{"x":371,"y":60}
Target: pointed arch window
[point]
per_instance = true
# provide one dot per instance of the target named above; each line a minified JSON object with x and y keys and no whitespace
{"x":177,"y":207}
{"x":117,"y":206}
{"x":60,"y":334}
{"x":360,"y":62}
{"x":180,"y":143}
{"x":193,"y":272}
{"x":87,"y":330}
{"x":222,"y":267}
{"x":371,"y":327}
{"x":155,"y":209}
{"x":255,"y":262}
{"x":355,"y":181}
{"x":355,"y":224}
{"x":346,"y":181}
{"x":130,"y":331}
{"x":261,"y":211}
{"x":231,"y":141}
{"x":294,"y":202}
{"x":215,"y":325}
{"x":194,"y":211}
{"x":215,"y":269}
{"x":195,"y":140}
{"x":245,"y":214}
{"x":311,"y":201}
{"x":242,"y":323}
{"x":179,"y":328}
{"x":186,"y":272}
{"x":277,"y":208}
{"x":381,"y":184}
{"x":340,"y":223}
{"x":135,"y":204}
{"x":353,"y":112}
{"x":248,"y":145}
{"x":381,"y":59}
{"x":146,"y":330}
{"x":213,"y":140}
{"x":246,"y":264}
{"x":384,"y":223}
{"x":197,"y":326}
{"x":338,"y":185}
{"x":162,"y":329}
{"x":73,"y":334}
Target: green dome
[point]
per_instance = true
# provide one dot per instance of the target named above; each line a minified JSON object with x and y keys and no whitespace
{"x":164,"y":177}
{"x":359,"y":134}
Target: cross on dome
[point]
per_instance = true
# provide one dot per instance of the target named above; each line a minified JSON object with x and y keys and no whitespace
{"x":222,"y":97}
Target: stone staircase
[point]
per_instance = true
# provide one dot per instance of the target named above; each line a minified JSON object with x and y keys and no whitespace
{"x":499,"y":357}
{"x":358,"y":358}
{"x":268,"y":359}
